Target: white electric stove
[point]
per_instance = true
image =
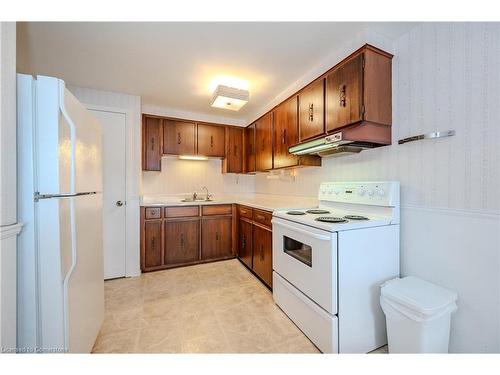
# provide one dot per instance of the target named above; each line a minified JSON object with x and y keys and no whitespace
{"x":329,"y":262}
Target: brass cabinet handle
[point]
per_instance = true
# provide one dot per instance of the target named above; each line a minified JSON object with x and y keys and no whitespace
{"x":178,"y":138}
{"x":217,"y":236}
{"x":311,"y":112}
{"x":211,"y":141}
{"x":342,"y":95}
{"x":284,"y":136}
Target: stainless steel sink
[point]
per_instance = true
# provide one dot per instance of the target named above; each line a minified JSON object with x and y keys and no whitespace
{"x":196,"y":200}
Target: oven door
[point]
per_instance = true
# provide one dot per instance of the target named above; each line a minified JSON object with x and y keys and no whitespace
{"x":307,"y":258}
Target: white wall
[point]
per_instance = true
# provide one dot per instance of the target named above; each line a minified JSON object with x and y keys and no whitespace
{"x":187,"y":176}
{"x":8,"y":209}
{"x":131,"y":106}
{"x":445,"y":76}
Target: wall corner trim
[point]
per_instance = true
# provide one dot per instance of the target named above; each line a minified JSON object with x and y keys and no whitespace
{"x":7,"y":231}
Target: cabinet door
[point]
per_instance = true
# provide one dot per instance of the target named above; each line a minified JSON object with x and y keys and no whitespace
{"x":152,"y":243}
{"x":181,"y":241}
{"x":211,"y":140}
{"x":263,"y":254}
{"x":179,"y":137}
{"x":234,"y":150}
{"x":249,"y":139}
{"x":285,"y":133}
{"x":216,"y":238}
{"x":245,"y":242}
{"x":264,"y":143}
{"x":311,"y":110}
{"x":151,"y":143}
{"x":344,"y":94}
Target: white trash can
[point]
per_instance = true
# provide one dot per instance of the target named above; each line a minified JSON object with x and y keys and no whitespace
{"x":418,"y":315}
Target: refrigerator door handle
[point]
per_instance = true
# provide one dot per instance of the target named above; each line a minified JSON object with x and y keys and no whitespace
{"x":39,"y":196}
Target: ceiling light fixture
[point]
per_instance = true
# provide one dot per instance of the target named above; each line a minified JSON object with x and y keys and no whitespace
{"x":192,"y":157}
{"x":229,"y":98}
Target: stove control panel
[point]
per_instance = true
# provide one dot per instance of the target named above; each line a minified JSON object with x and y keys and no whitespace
{"x":385,"y":193}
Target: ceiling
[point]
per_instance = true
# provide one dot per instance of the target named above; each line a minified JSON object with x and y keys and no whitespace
{"x":173,"y":65}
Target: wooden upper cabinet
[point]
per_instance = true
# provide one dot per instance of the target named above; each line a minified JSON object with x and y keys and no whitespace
{"x":151,"y":143}
{"x":179,"y":137}
{"x":211,"y":140}
{"x":311,"y":110}
{"x":264,"y":143}
{"x":359,"y":90}
{"x":249,"y":149}
{"x":285,"y":123}
{"x":233,"y":163}
{"x":344,"y":94}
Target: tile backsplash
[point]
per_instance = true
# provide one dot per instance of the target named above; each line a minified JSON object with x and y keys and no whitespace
{"x":187,"y":176}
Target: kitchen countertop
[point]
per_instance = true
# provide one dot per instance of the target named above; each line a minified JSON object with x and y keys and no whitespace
{"x":268,"y":202}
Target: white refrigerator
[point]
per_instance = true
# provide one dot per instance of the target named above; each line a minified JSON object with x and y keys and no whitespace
{"x":60,"y":257}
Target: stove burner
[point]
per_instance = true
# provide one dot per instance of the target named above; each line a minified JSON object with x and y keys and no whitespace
{"x":295,"y":213}
{"x":331,"y":219}
{"x":317,"y":212}
{"x":355,"y":217}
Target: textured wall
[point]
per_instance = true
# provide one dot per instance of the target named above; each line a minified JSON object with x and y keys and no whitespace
{"x":8,"y":194}
{"x":187,"y":176}
{"x":8,"y":123}
{"x":445,"y":76}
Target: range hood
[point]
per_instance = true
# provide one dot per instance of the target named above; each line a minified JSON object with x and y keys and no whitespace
{"x":330,"y":145}
{"x":352,"y":139}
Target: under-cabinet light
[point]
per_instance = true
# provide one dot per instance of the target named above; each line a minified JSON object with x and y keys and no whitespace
{"x":192,"y":157}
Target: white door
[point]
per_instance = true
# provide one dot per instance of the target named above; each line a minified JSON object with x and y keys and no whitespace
{"x":114,"y":191}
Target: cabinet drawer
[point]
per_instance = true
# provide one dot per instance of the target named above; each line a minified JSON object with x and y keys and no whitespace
{"x":262,"y":217}
{"x":223,"y":209}
{"x":181,"y":211}
{"x":245,"y":212}
{"x":153,"y":212}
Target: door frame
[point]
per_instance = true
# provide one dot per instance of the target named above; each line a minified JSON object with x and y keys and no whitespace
{"x":132,"y":258}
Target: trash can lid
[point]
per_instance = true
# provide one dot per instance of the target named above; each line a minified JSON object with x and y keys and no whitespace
{"x":418,"y":294}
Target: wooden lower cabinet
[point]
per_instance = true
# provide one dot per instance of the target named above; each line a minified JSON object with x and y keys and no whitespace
{"x":182,"y":238}
{"x":178,"y":236}
{"x":216,"y":238}
{"x":263,"y":253}
{"x":245,"y":239}
{"x":182,"y":235}
{"x":255,"y":242}
{"x":153,"y":244}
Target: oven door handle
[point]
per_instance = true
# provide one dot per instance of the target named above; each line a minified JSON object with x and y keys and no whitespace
{"x":313,"y":235}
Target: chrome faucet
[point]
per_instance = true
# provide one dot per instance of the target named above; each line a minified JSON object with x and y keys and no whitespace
{"x":208,"y":196}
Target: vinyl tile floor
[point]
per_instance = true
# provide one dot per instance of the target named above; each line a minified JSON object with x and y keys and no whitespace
{"x":209,"y":308}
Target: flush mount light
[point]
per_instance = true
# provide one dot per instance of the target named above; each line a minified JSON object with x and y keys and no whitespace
{"x":192,"y":157}
{"x":229,"y":98}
